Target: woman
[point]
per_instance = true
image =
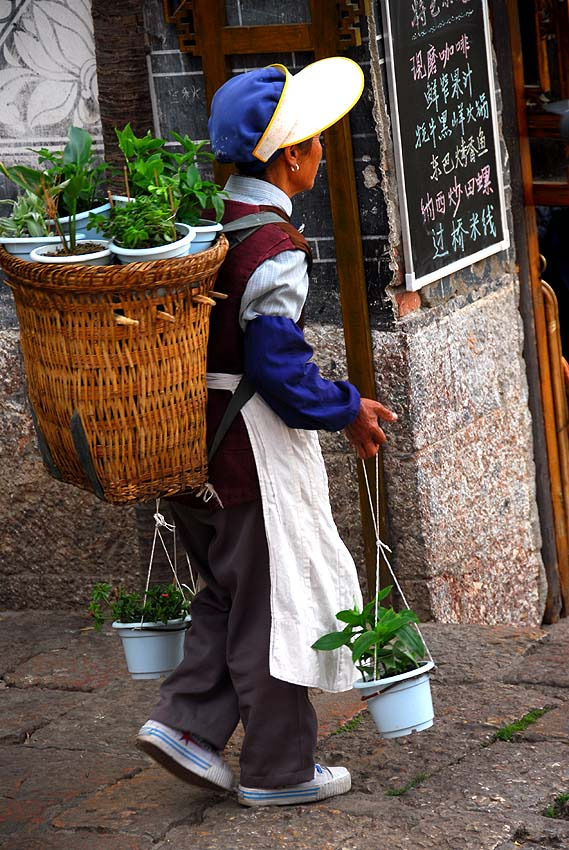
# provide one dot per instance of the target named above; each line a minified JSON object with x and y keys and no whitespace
{"x":268,"y":551}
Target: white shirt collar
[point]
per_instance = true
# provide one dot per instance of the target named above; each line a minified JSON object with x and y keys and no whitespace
{"x":251,"y":190}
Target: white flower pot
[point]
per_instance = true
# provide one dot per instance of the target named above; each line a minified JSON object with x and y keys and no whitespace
{"x":22,"y":246}
{"x":154,"y":649}
{"x":81,"y":221}
{"x":206,"y":234}
{"x":404,"y":708}
{"x":97,"y":258}
{"x":180,"y":248}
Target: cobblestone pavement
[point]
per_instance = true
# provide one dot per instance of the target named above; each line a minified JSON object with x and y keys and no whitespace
{"x":71,"y":778}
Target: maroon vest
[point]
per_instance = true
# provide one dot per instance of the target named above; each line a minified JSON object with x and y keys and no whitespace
{"x":232,"y":470}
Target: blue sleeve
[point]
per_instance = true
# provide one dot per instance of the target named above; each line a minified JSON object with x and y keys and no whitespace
{"x":278,"y":364}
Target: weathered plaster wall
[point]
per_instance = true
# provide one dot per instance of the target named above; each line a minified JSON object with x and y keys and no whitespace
{"x":55,"y":540}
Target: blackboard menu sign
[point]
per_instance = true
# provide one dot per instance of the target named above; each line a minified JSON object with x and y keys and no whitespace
{"x":445,"y":129}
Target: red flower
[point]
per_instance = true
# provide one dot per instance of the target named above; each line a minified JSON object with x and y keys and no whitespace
{"x":165,"y":595}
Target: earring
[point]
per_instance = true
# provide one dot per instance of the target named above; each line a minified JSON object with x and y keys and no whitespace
{"x":295,"y":167}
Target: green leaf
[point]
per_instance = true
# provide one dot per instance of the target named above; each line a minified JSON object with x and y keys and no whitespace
{"x":333,"y":640}
{"x":352,"y":617}
{"x":363,"y":644}
{"x":218,"y":205}
{"x":77,"y":151}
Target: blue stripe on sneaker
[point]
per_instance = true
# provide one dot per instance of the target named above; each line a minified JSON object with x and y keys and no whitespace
{"x":183,"y":751}
{"x":277,"y":795}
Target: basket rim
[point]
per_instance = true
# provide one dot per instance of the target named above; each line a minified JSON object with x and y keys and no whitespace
{"x":152,"y":274}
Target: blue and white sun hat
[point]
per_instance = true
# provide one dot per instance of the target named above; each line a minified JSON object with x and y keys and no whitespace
{"x":256,"y":114}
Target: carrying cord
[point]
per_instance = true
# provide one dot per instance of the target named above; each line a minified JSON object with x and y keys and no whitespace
{"x":159,"y":523}
{"x":380,"y":552}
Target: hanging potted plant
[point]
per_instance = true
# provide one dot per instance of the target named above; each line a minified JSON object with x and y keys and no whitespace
{"x":148,"y":163}
{"x":390,"y":654}
{"x":152,"y":627}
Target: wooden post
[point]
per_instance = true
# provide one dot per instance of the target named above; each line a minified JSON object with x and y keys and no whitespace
{"x":535,"y":324}
{"x":351,"y":278}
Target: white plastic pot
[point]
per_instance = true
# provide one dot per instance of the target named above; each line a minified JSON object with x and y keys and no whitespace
{"x":81,"y":221}
{"x":180,"y":248}
{"x":206,"y":234}
{"x":405,"y":705}
{"x":97,"y":258}
{"x":22,"y":246}
{"x":153,"y":649}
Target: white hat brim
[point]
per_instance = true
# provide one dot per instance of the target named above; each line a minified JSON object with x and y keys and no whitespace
{"x":311,"y":101}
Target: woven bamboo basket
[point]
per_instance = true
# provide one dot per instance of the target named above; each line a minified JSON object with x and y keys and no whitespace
{"x":115,"y":360}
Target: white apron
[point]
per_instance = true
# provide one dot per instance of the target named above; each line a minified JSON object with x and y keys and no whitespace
{"x":313,"y":575}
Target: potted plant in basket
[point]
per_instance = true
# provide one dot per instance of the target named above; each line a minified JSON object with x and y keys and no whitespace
{"x":390,"y":655}
{"x":27,"y":227}
{"x":148,"y":163}
{"x":66,"y":183}
{"x":145,"y":229}
{"x":152,"y":627}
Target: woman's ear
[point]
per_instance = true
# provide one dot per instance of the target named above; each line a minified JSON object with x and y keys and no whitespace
{"x":290,"y":155}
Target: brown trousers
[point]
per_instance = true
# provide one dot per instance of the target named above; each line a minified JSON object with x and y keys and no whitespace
{"x":224,"y":676}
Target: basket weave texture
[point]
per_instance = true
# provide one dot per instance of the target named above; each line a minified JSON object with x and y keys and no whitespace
{"x":135,"y":392}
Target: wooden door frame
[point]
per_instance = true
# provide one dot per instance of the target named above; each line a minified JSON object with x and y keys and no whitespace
{"x":507,"y":40}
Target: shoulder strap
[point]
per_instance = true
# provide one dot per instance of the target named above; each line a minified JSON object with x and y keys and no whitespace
{"x":241,"y":228}
{"x":239,"y":399}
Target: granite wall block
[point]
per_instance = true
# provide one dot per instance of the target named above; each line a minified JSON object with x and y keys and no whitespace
{"x":459,"y":467}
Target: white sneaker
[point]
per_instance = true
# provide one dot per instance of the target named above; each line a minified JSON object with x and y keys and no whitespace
{"x":327,"y":782}
{"x":182,"y":756}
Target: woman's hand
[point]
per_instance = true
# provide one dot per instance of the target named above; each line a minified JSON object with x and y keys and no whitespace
{"x":364,"y":432}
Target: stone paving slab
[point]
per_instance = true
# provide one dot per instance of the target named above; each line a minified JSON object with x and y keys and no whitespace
{"x":508,"y":780}
{"x":151,"y":803}
{"x":23,"y":712}
{"x":86,"y":662}
{"x":553,"y":725}
{"x":56,"y":839}
{"x":24,"y":634}
{"x":547,"y":664}
{"x":470,"y":653}
{"x":33,"y":786}
{"x":104,"y":721}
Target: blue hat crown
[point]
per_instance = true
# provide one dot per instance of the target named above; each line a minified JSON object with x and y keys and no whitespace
{"x":241,"y":111}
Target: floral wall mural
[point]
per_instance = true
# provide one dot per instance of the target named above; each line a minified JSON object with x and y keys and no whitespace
{"x":48,"y":77}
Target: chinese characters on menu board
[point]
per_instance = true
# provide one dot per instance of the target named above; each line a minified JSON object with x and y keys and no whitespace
{"x":445,"y":129}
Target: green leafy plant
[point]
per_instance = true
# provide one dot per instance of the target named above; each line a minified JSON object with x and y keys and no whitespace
{"x":381,"y":646}
{"x":153,"y":168}
{"x":144,"y":222}
{"x":28,"y":216}
{"x":163,"y":602}
{"x":78,"y":169}
{"x":196,"y":194}
{"x":67,"y":182}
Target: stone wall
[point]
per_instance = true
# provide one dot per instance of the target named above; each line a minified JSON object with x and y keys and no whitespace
{"x":459,"y":466}
{"x":55,"y":540}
